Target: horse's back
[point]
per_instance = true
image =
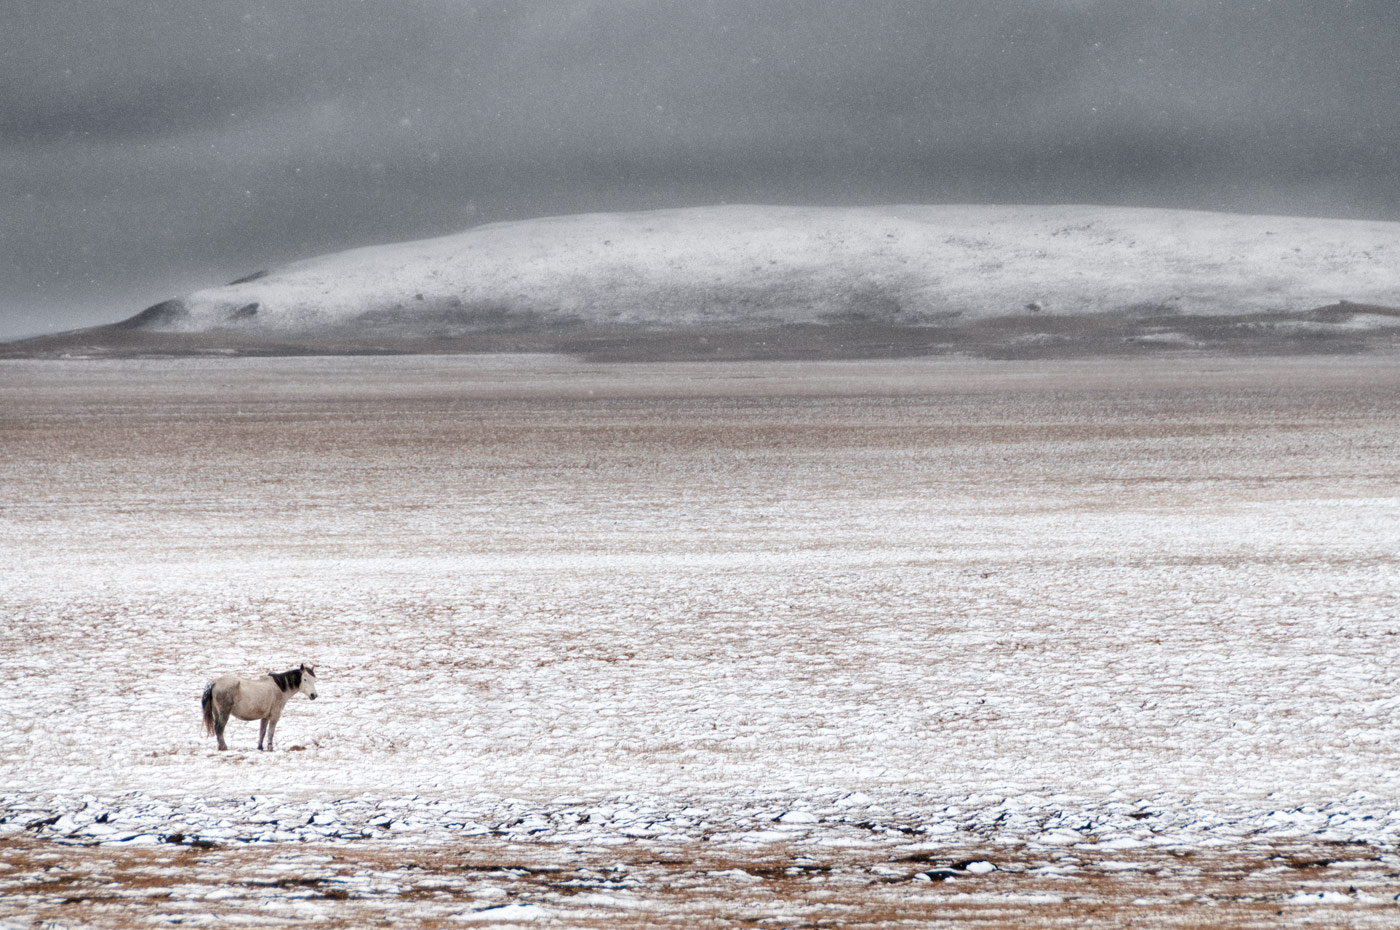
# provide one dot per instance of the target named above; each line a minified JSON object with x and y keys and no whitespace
{"x":225,"y":684}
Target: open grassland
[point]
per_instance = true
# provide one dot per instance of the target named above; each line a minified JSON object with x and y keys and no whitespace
{"x":812,"y":643}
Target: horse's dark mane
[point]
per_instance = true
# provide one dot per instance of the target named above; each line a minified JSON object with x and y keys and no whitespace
{"x":288,"y":681}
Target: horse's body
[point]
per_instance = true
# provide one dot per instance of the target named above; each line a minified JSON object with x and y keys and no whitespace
{"x":259,"y":699}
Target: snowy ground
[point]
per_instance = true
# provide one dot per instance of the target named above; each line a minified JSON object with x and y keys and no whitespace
{"x":835,"y":618}
{"x":747,"y":267}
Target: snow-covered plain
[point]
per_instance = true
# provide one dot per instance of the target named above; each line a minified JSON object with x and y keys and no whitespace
{"x":754,"y":266}
{"x":923,"y":620}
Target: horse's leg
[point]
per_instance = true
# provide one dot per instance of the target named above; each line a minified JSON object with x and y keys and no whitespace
{"x":262,"y":728}
{"x":272,"y":726}
{"x":220,"y":721}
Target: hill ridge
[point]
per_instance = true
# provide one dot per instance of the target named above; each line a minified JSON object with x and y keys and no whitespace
{"x":837,"y":274}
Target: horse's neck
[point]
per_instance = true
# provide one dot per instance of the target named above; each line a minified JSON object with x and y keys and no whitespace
{"x":278,"y":695}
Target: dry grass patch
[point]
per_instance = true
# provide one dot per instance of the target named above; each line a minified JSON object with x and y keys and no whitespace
{"x":649,"y":885}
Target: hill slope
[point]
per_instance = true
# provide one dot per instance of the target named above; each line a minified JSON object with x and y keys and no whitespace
{"x":962,"y":277}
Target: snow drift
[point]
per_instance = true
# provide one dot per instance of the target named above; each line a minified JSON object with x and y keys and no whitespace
{"x":746,"y":267}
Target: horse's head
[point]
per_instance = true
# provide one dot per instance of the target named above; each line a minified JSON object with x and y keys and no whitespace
{"x":308,"y":682}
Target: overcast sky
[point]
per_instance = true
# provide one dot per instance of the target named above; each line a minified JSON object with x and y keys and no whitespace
{"x":150,"y":147}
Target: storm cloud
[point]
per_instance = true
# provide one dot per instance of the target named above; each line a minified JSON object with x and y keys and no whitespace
{"x":147,"y":148}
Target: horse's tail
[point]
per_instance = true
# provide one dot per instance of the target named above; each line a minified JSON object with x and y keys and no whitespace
{"x":207,"y":702}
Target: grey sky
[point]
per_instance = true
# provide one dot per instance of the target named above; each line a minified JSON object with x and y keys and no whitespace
{"x":148,"y":147}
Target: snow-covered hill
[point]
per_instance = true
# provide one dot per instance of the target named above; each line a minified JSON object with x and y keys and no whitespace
{"x":741,"y":267}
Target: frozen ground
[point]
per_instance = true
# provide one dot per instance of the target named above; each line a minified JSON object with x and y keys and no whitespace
{"x":795,"y":642}
{"x":752,"y":266}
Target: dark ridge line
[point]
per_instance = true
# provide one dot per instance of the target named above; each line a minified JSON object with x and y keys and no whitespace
{"x":1017,"y":336}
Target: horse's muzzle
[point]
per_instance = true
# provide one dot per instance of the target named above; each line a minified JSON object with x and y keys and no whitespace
{"x":312,"y":696}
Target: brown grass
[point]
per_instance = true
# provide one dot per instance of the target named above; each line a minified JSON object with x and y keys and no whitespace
{"x":646,"y":885}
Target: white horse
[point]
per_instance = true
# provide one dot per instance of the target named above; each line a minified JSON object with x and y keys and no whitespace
{"x":259,"y":699}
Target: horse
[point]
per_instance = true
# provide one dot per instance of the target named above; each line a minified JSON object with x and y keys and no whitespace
{"x":259,"y":699}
